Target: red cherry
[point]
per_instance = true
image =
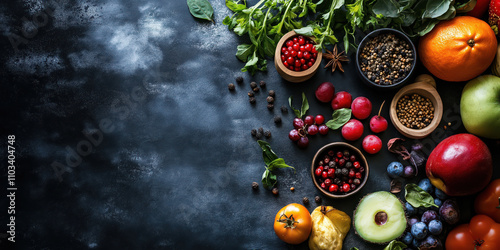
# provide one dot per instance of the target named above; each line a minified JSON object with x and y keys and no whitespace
{"x":378,"y":123}
{"x":323,"y":129}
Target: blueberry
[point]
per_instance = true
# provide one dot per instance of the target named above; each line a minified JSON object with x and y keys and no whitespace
{"x":407,"y":238}
{"x":429,"y":215}
{"x":435,"y":227}
{"x":419,"y":230}
{"x":440,"y":194}
{"x":415,"y":243}
{"x":438,"y":202}
{"x":410,"y":210}
{"x":395,"y":169}
{"x":426,"y":185}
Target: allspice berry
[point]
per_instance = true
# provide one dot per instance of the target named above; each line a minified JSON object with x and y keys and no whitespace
{"x":305,"y":200}
{"x":272,"y":93}
{"x":231,"y":86}
{"x":270,"y":106}
{"x":253,"y":85}
{"x":255,"y":185}
{"x":317,"y":199}
{"x":262,"y":84}
{"x":270,"y":99}
{"x":275,"y":191}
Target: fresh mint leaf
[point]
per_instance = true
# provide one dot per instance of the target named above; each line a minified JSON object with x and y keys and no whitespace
{"x":305,"y":105}
{"x":339,"y":118}
{"x":267,"y":153}
{"x":417,"y":197}
{"x":201,"y":9}
{"x":395,"y":245}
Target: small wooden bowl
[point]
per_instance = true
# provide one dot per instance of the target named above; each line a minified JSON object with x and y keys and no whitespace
{"x":290,"y":75}
{"x":340,"y":146}
{"x":426,"y":87}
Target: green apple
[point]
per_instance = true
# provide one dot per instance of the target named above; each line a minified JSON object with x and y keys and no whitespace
{"x":480,"y":106}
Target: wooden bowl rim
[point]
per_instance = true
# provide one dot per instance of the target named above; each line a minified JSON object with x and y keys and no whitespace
{"x":423,"y":89}
{"x":298,"y":74}
{"x":351,"y":147}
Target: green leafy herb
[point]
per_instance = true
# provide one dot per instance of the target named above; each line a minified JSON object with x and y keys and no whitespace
{"x":395,"y":245}
{"x":201,"y":9}
{"x":272,"y":162}
{"x":303,"y":109}
{"x":339,"y":118}
{"x":417,"y":197}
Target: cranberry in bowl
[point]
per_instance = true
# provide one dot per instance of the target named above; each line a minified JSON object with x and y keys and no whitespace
{"x":296,"y":58}
{"x":339,"y":170}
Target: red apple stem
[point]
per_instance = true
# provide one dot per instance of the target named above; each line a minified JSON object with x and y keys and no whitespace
{"x":380,"y":109}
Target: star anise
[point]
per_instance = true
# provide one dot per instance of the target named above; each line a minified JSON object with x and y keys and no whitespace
{"x":335,"y":58}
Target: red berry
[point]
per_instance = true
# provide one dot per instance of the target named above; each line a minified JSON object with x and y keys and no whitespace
{"x":323,"y":129}
{"x":302,"y":61}
{"x":352,"y":130}
{"x":308,"y":47}
{"x":294,"y":135}
{"x":284,"y":49}
{"x":341,"y":99}
{"x":356,"y":164}
{"x":328,"y":182}
{"x":331,"y":173}
{"x":326,"y":160}
{"x":312,"y":130}
{"x":303,"y":142}
{"x":361,"y":107}
{"x":301,"y":48}
{"x":307,"y":55}
{"x":324,"y":174}
{"x":321,"y":168}
{"x":300,"y":54}
{"x":298,"y":123}
{"x":353,"y":158}
{"x":352,"y":174}
{"x":318,"y":172}
{"x":319,"y":119}
{"x":346,"y":187}
{"x":341,"y":162}
{"x":286,"y":64}
{"x":290,"y":48}
{"x":283,"y":58}
{"x":333,"y":188}
{"x":313,"y":50}
{"x":357,"y":175}
{"x":304,"y":67}
{"x":289,"y":43}
{"x":309,"y":120}
{"x":340,"y":154}
{"x":290,"y":60}
{"x":296,"y":68}
{"x":295,"y":46}
{"x":295,"y":39}
{"x":372,"y":144}
{"x":297,"y":63}
{"x":293,"y":53}
{"x":323,"y":186}
{"x":302,"y":41}
{"x":291,"y":67}
{"x":286,"y":54}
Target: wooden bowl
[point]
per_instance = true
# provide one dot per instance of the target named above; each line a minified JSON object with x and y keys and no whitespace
{"x":426,"y":87}
{"x":290,"y":75}
{"x":339,"y":146}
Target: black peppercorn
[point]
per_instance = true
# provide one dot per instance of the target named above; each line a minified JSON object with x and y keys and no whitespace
{"x":253,"y":85}
{"x":348,"y":164}
{"x":258,"y":135}
{"x":239,"y":79}
{"x":357,"y":181}
{"x":284,"y":109}
{"x":337,"y":181}
{"x":262,"y":84}
{"x":231,"y":86}
{"x":253,"y":132}
{"x":270,"y":106}
{"x":261,"y":130}
{"x":338,"y":172}
{"x":332,"y":164}
{"x":267,"y":134}
{"x":277,"y":119}
{"x":255,"y":185}
{"x":275,"y":191}
{"x":250,"y":94}
{"x":256,"y":89}
{"x":252,"y":100}
{"x":272,"y":93}
{"x":305,"y":200}
{"x":317,"y":199}
{"x":270,"y":99}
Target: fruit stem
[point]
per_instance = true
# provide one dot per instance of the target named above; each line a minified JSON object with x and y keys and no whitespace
{"x":380,"y":109}
{"x":471,"y":42}
{"x":324,"y":211}
{"x":289,"y":221}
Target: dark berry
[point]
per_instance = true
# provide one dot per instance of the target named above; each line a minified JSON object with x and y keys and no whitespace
{"x":253,"y":85}
{"x":284,"y":109}
{"x":309,"y":120}
{"x":261,"y":130}
{"x":294,"y":135}
{"x":231,"y":86}
{"x":239,"y":79}
{"x":341,"y":162}
{"x":352,"y":158}
{"x":345,"y":171}
{"x":270,"y":99}
{"x":338,"y":171}
{"x":348,"y":164}
{"x":298,"y":123}
{"x":346,"y":153}
{"x":323,"y":129}
{"x":303,"y":142}
{"x":272,"y":93}
{"x":252,"y":100}
{"x":337,"y":181}
{"x":339,"y":154}
{"x":267,"y":134}
{"x":262,"y":84}
{"x":312,"y":130}
{"x":277,"y":119}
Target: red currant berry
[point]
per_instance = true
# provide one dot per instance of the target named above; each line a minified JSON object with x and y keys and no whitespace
{"x":300,"y":54}
{"x":319,"y":119}
{"x":346,"y":187}
{"x":293,"y":53}
{"x":333,"y":188}
{"x":352,"y":174}
{"x":294,"y":135}
{"x":302,"y":61}
{"x":304,"y":67}
{"x":324,"y":174}
{"x":296,"y":46}
{"x":309,"y":64}
{"x":341,"y":162}
{"x":297,"y":63}
{"x":295,"y":40}
{"x":318,"y":172}
{"x":284,"y":49}
{"x":297,"y":68}
{"x":308,"y":47}
{"x":323,"y":129}
{"x":286,"y":54}
{"x":291,"y":67}
{"x":290,"y":60}
{"x":340,"y":154}
{"x":313,"y":50}
{"x":312,"y":130}
{"x":290,"y":48}
{"x":286,"y":64}
{"x":302,"y":41}
{"x":302,"y":48}
{"x":307,"y":55}
{"x":283,"y":58}
{"x":298,"y":123}
{"x":312,"y":60}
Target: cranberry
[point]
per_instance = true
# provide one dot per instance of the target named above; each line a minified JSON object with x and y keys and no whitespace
{"x":302,"y":61}
{"x":285,"y":63}
{"x":283,"y":49}
{"x":295,"y":39}
{"x":309,"y":64}
{"x":298,"y":123}
{"x":346,"y":187}
{"x":321,"y":168}
{"x":293,"y":53}
{"x":313,"y":50}
{"x":361,"y":107}
{"x":294,"y":135}
{"x":307,"y":55}
{"x":301,"y":48}
{"x":309,"y":120}
{"x":283,"y":58}
{"x":352,"y":130}
{"x":312,"y":130}
{"x":289,"y":43}
{"x":333,"y":188}
{"x":341,"y":99}
{"x":290,"y":48}
{"x":308,"y":47}
{"x":300,"y":54}
{"x":319,"y":119}
{"x":318,"y":172}
{"x":296,"y":68}
{"x":304,"y":67}
{"x":301,"y":40}
{"x":290,"y":60}
{"x":323,"y":129}
{"x":295,"y":46}
{"x":372,"y":144}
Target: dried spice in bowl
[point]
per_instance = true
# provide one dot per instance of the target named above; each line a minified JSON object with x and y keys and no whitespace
{"x":386,"y":59}
{"x":415,"y":111}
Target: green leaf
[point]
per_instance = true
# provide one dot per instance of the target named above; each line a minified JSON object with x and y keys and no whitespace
{"x":429,"y":26}
{"x":339,"y":118}
{"x":435,"y":9}
{"x":305,"y":105}
{"x":234,"y":6}
{"x":306,"y":31}
{"x":297,"y":112}
{"x":417,"y":197}
{"x":243,"y":51}
{"x":451,"y":13}
{"x":201,"y":9}
{"x":278,"y":163}
{"x":395,"y":245}
{"x":267,"y":153}
{"x":387,"y":8}
{"x":268,"y":179}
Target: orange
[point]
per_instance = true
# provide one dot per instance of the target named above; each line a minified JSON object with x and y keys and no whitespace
{"x":458,"y":49}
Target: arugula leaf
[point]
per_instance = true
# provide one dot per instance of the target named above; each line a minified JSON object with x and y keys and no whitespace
{"x":395,"y":245}
{"x":417,"y":197}
{"x":339,"y":118}
{"x":201,"y":9}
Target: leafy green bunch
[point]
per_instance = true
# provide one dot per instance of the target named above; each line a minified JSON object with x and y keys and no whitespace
{"x":264,"y":23}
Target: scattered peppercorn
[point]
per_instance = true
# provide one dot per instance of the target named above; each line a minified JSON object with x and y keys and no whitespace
{"x":284,"y":109}
{"x":292,"y":189}
{"x":305,"y":200}
{"x":267,"y":134}
{"x":231,"y":86}
{"x":275,"y":191}
{"x":255,"y":185}
{"x":270,"y":106}
{"x":250,"y":94}
{"x":239,"y":79}
{"x":253,"y":132}
{"x":272,"y":93}
{"x":253,"y":85}
{"x":415,"y":111}
{"x":252,"y":100}
{"x":261,"y":130}
{"x":386,"y":59}
{"x":270,"y":99}
{"x":258,"y":135}
{"x":317,"y":199}
{"x":256,"y":89}
{"x":277,"y":119}
{"x":262,"y":84}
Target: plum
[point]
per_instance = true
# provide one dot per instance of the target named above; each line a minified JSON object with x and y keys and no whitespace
{"x":325,"y":92}
{"x":428,"y":216}
{"x":449,"y":212}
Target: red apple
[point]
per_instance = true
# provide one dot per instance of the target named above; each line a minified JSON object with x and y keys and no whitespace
{"x":460,"y":165}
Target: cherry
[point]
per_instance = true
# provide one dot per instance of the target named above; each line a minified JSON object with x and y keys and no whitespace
{"x":309,"y":120}
{"x":361,"y":107}
{"x":294,"y":135}
{"x":312,"y":130}
{"x":352,"y":130}
{"x":341,"y":99}
{"x":378,"y":123}
{"x":323,"y":129}
{"x":319,"y":119}
{"x":303,"y":142}
{"x":325,"y":92}
{"x":298,"y":123}
{"x":372,"y":144}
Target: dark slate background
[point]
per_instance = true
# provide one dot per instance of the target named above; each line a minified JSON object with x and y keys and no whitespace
{"x":172,"y":159}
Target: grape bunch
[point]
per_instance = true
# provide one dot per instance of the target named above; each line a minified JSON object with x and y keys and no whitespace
{"x":310,"y":125}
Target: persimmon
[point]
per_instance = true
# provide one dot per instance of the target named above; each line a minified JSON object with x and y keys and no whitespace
{"x":458,"y":49}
